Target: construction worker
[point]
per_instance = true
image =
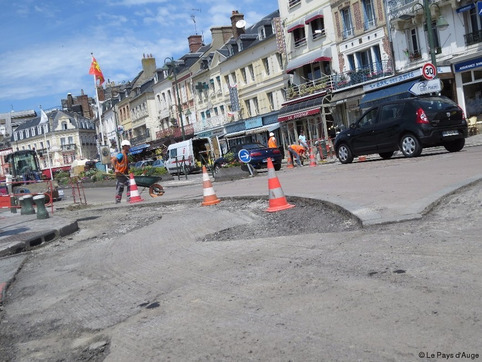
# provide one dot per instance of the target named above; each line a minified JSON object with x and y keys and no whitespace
{"x":272,"y":141}
{"x":297,"y":152}
{"x":120,"y":164}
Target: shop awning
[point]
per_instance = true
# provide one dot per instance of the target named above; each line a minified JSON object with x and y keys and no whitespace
{"x":266,"y":128}
{"x":342,"y":97}
{"x":299,"y":110}
{"x":397,"y":91}
{"x":296,"y":25}
{"x":138,"y":149}
{"x":313,"y":57}
{"x":313,"y":16}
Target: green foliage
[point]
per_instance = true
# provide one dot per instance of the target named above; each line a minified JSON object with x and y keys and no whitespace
{"x":148,"y":171}
{"x":62,"y":177}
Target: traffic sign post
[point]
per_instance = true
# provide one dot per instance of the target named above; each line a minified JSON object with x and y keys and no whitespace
{"x":244,"y":156}
{"x":429,"y":71}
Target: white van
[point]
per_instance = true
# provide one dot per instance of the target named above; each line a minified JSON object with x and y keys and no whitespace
{"x":190,"y":155}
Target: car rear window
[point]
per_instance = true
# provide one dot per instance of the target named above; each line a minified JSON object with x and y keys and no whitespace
{"x":435,"y":104}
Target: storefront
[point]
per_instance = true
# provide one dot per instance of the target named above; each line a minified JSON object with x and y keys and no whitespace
{"x":312,"y":116}
{"x":468,"y":80}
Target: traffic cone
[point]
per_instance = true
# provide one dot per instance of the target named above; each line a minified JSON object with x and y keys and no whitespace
{"x":362,"y":158}
{"x":135,"y":197}
{"x":290,"y":161}
{"x":277,"y":200}
{"x":312,"y":158}
{"x":210,"y":197}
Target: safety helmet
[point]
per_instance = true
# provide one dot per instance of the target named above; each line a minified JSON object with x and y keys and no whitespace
{"x":271,"y":134}
{"x":125,"y":143}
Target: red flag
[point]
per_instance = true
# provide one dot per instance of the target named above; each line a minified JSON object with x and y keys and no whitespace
{"x":95,"y":70}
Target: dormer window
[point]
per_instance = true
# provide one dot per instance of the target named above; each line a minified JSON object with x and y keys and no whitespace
{"x":316,"y":22}
{"x":261,"y":33}
{"x":240,"y":45}
{"x":298,"y":31}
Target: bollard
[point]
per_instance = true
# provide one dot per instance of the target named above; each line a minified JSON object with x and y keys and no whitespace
{"x":27,"y":205}
{"x":13,"y":204}
{"x":42,"y":212}
{"x":323,"y":148}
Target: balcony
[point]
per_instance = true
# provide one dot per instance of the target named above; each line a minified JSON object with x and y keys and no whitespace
{"x":323,"y":84}
{"x":175,"y":132}
{"x":142,"y":138}
{"x":68,"y":147}
{"x":473,"y":38}
{"x":362,"y":75}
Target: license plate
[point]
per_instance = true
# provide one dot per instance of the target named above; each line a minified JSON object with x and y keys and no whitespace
{"x":450,"y":133}
{"x":61,"y":192}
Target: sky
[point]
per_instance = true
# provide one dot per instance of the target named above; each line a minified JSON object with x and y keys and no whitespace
{"x":46,"y":46}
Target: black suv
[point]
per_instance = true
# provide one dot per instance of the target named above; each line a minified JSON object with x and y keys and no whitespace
{"x":408,"y":125}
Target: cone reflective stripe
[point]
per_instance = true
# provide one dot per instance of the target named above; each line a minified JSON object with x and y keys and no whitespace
{"x":277,"y":199}
{"x":209,"y":196}
{"x":135,"y":197}
{"x":312,"y":158}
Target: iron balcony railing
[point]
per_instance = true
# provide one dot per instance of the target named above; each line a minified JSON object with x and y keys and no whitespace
{"x":473,"y":38}
{"x":327,"y":83}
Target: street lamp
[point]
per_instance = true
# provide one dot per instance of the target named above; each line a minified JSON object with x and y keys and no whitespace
{"x":170,"y":65}
{"x":441,"y":24}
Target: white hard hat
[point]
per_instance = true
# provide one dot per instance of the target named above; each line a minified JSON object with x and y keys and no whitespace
{"x":125,"y":143}
{"x":271,"y":134}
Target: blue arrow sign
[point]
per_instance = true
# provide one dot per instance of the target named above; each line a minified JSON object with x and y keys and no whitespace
{"x":244,"y":155}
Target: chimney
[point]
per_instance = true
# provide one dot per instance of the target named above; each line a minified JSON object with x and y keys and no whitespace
{"x":195,"y":42}
{"x":148,"y":65}
{"x":235,"y":17}
{"x":220,"y":35}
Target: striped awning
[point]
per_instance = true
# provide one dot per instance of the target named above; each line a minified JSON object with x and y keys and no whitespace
{"x":323,"y":55}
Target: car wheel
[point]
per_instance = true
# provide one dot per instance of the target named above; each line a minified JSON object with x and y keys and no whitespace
{"x":410,"y":146}
{"x":455,"y":146}
{"x":277,"y":166}
{"x":344,"y":154}
{"x":386,"y":155}
{"x":217,"y":167}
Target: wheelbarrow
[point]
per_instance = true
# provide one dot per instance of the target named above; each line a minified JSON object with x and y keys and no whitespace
{"x":155,"y":189}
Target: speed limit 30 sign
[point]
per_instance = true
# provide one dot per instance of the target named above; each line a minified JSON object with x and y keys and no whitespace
{"x":429,"y":71}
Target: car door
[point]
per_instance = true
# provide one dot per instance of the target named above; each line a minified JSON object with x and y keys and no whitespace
{"x":363,"y":140}
{"x":387,"y":129}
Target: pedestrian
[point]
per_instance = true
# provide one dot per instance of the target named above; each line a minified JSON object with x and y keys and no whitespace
{"x":302,"y":139}
{"x":297,"y":152}
{"x":120,"y":164}
{"x":272,"y":141}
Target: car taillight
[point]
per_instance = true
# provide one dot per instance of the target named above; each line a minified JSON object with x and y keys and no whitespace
{"x":254,"y":154}
{"x":421,"y":117}
{"x":276,"y":152}
{"x":463,"y":113}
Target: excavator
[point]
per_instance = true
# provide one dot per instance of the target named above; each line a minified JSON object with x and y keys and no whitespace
{"x":27,"y":176}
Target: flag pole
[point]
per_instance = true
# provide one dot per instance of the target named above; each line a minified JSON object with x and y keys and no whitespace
{"x":99,"y":113}
{"x":45,"y":140}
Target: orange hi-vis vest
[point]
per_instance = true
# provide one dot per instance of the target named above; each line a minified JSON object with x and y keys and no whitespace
{"x":298,"y":149}
{"x":272,"y":143}
{"x":122,"y":166}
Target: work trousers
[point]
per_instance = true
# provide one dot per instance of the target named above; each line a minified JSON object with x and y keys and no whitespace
{"x":122,"y":181}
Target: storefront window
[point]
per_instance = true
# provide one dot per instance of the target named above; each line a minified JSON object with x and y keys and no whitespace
{"x":473,"y":92}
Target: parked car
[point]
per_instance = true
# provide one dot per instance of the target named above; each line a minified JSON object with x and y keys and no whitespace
{"x":158,"y":163}
{"x":259,"y":156}
{"x":408,"y":125}
{"x":144,"y":163}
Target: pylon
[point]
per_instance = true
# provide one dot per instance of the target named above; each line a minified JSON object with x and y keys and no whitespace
{"x":277,"y":200}
{"x":135,"y":197}
{"x":362,"y":158}
{"x":312,"y":158}
{"x":210,"y":197}
{"x":290,"y":161}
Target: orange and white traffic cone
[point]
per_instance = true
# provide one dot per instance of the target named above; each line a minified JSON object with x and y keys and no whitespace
{"x":210,"y":197}
{"x":277,"y":200}
{"x":135,"y":197}
{"x":289,"y":162}
{"x":312,"y":158}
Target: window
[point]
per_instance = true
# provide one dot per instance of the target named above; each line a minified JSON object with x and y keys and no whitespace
{"x":243,"y":74}
{"x":208,"y":113}
{"x":32,"y":131}
{"x":279,"y":58}
{"x":233,"y":78}
{"x":251,"y":71}
{"x":317,"y":28}
{"x":413,"y":44}
{"x":368,"y":119}
{"x":473,"y":24}
{"x":64,"y":125}
{"x":368,"y":14}
{"x":27,"y":133}
{"x":216,"y":112}
{"x":248,"y":107}
{"x":222,"y":109}
{"x":71,"y":140}
{"x":203,"y":116}
{"x":292,"y":3}
{"x":270,"y":100}
{"x":255,"y":105}
{"x":346,"y":22}
{"x":266,"y":66}
{"x":261,"y":33}
{"x":218,"y":81}
{"x":299,"y":37}
{"x":351,"y":61}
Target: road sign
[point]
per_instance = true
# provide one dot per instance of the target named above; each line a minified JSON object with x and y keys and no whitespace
{"x":429,"y":71}
{"x":426,"y":87}
{"x":244,"y":155}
